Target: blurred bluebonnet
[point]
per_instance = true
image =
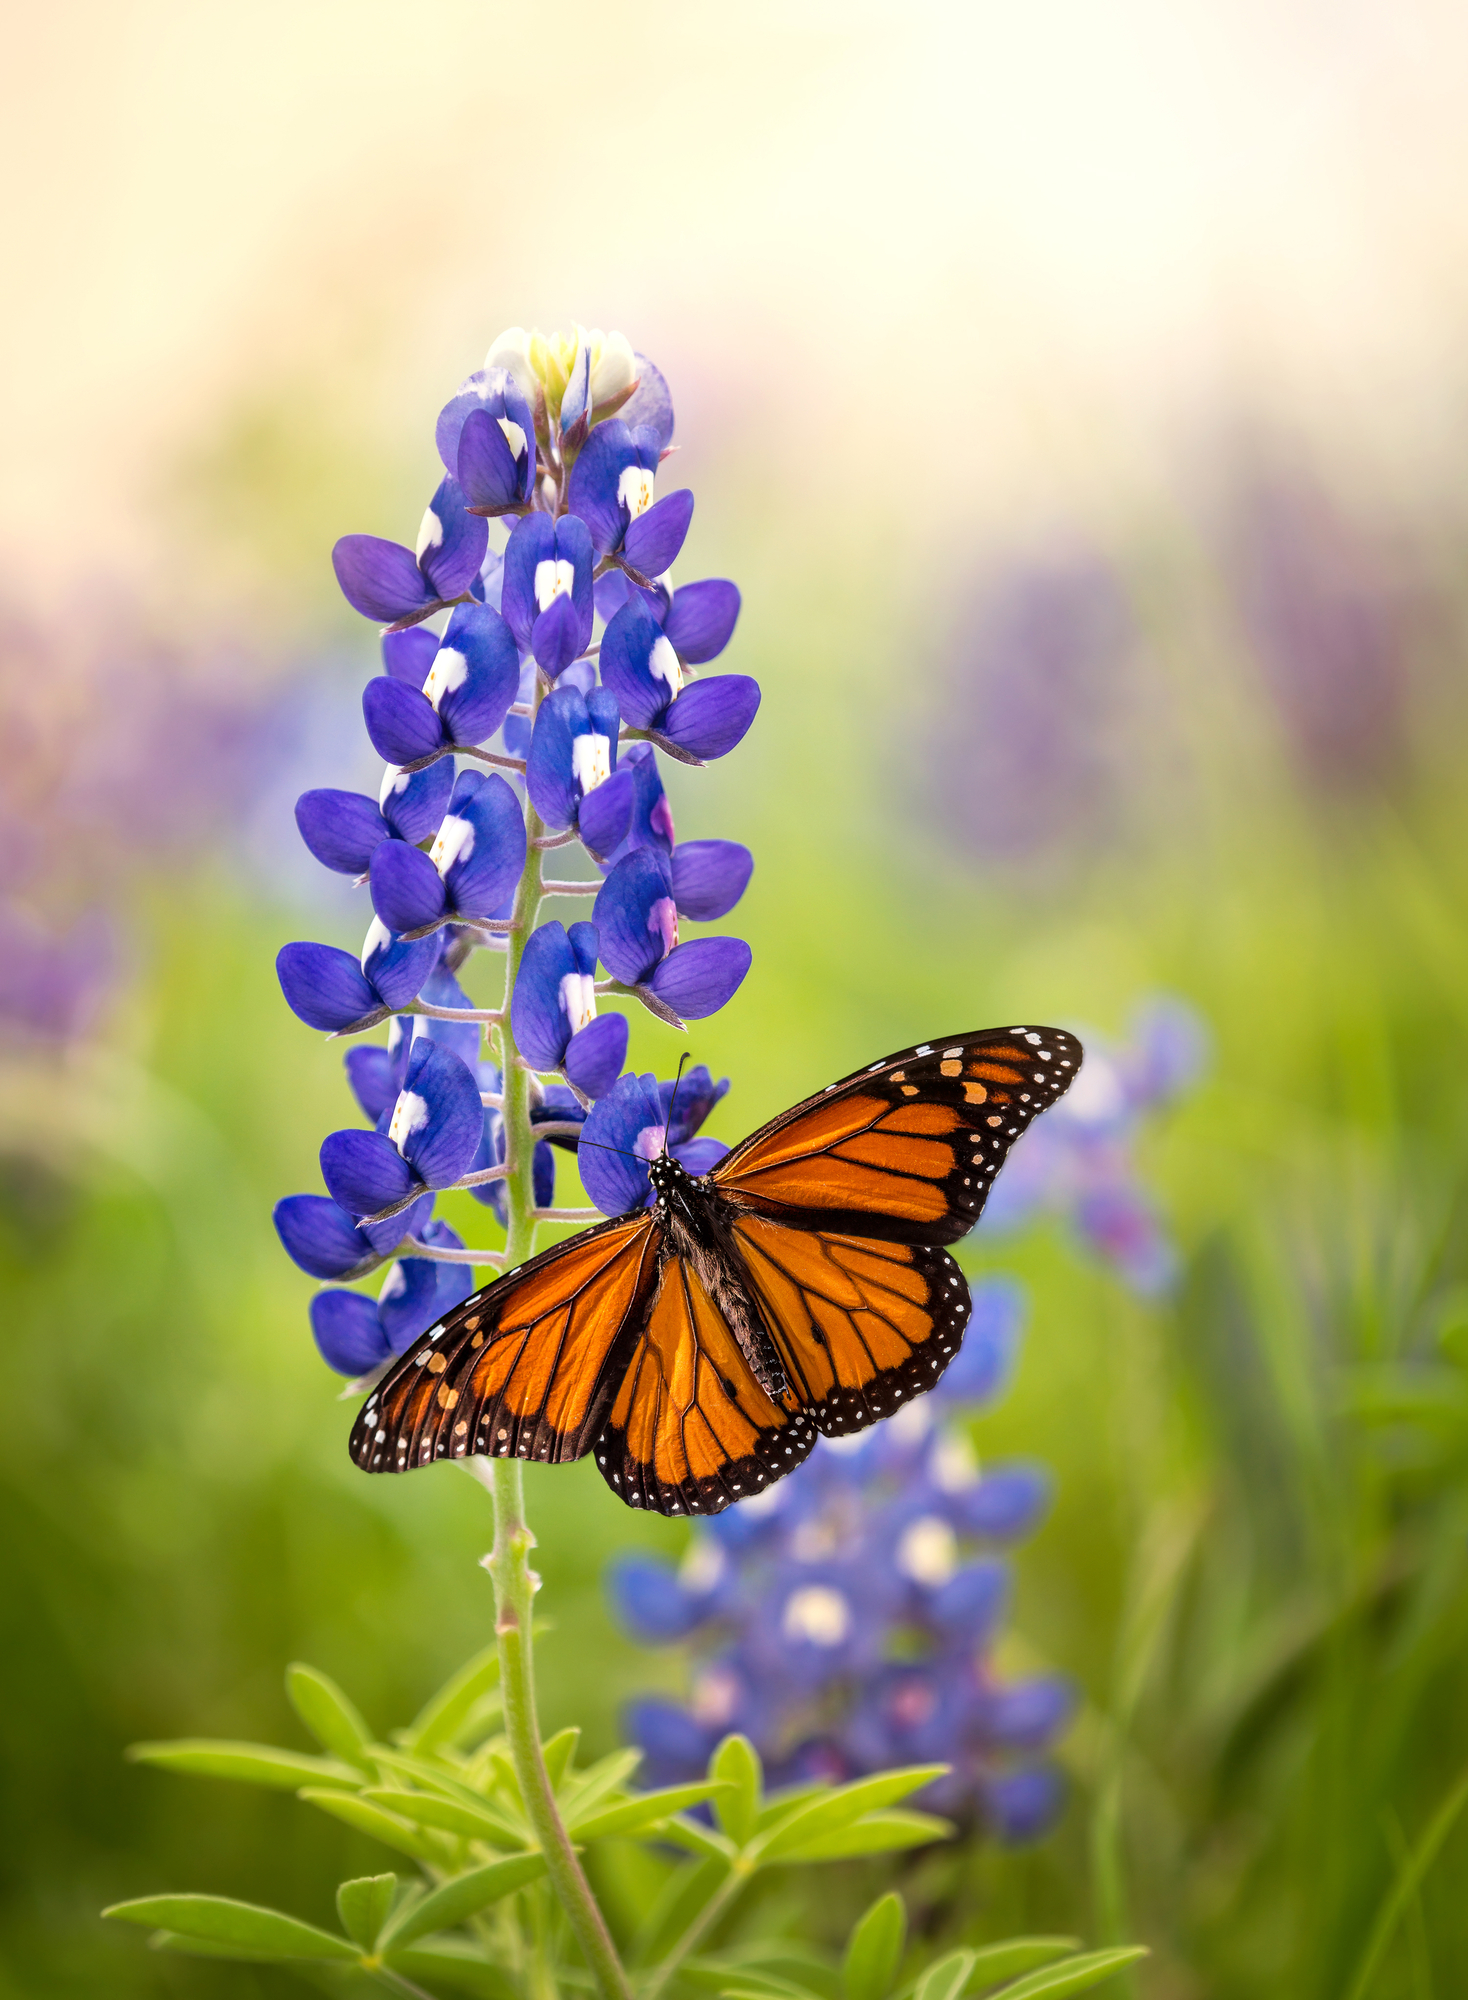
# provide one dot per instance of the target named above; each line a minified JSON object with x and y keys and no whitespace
{"x":1078,"y":1160}
{"x":845,"y":1619}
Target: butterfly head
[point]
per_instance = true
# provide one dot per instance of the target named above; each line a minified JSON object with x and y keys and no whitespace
{"x":667,"y":1175}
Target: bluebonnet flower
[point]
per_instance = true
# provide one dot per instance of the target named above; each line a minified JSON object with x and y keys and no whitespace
{"x":356,"y":1334}
{"x":471,"y":869}
{"x":629,"y":1125}
{"x":462,"y":697}
{"x":399,"y":586}
{"x":845,"y":1618}
{"x":641,"y":667}
{"x":1078,"y":1160}
{"x":562,"y":435}
{"x":547,"y":595}
{"x":636,"y":914}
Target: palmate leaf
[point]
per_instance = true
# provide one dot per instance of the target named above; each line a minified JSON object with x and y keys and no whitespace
{"x":462,"y":1898}
{"x":446,"y":1713}
{"x":247,"y":1763}
{"x":238,"y":1927}
{"x":816,"y":1820}
{"x":1075,"y":1975}
{"x":874,"y":1950}
{"x":327,"y":1713}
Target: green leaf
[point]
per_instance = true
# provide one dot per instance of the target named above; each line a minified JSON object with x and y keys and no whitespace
{"x":248,"y":1763}
{"x":1055,"y":1982}
{"x":647,"y":1809}
{"x":452,"y":1962}
{"x":558,"y":1753}
{"x":750,"y":1988}
{"x":822,"y":1816}
{"x":363,"y":1905}
{"x":240,"y":1926}
{"x":444,"y":1714}
{"x":877,"y":1833}
{"x":383,"y":1826}
{"x":327,"y":1713}
{"x":778,"y":1805}
{"x":1408,"y":1880}
{"x":736,"y":1764}
{"x":875,"y":1949}
{"x":476,"y":1822}
{"x":697,"y":1838}
{"x":463,"y":1898}
{"x":994,"y":1963}
{"x":770,"y":1958}
{"x":947,"y":1979}
{"x":679,"y":1901}
{"x":593,"y":1784}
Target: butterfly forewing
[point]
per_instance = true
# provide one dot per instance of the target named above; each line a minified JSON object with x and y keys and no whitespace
{"x":907,"y":1149}
{"x":862,"y":1325}
{"x":526,"y":1368}
{"x":691,"y":1429}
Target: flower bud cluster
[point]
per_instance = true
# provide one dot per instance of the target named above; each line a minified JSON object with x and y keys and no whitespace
{"x":844,"y":1620}
{"x":537,"y":660}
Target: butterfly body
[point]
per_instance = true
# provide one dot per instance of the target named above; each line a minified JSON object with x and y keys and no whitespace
{"x":697,"y":1347}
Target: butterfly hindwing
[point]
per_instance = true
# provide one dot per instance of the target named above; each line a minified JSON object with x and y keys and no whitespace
{"x":526,"y":1368}
{"x":907,"y":1149}
{"x":862,"y":1325}
{"x":691,"y":1429}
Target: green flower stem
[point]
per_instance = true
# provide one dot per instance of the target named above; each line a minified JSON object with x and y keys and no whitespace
{"x":515,"y":1583}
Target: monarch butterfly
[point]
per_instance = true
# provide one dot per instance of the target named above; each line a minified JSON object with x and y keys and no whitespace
{"x":698,"y":1346}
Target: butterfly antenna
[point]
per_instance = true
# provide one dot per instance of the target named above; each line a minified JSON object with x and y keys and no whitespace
{"x":597,"y":1145}
{"x":667,"y":1128}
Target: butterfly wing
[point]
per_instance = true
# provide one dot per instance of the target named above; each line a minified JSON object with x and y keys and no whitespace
{"x":861,"y":1324}
{"x":528,"y":1367}
{"x":907,"y":1149}
{"x":691,"y":1430}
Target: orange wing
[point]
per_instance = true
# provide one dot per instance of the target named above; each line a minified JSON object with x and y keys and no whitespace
{"x":907,"y":1149}
{"x":527,"y":1368}
{"x":691,"y":1429}
{"x":862,"y":1325}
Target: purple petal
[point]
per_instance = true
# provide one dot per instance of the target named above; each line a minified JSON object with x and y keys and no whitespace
{"x":413,"y":804}
{"x":407,"y":656}
{"x":687,"y":1101}
{"x":400,"y":720}
{"x":340,"y":828}
{"x":452,"y":542}
{"x":1002,"y":1504}
{"x":1021,"y":1805}
{"x":482,"y":843}
{"x":980,"y":1368}
{"x":439,"y":1115}
{"x":386,"y":1236}
{"x":698,"y":979}
{"x":490,"y":392}
{"x":320,"y":1237}
{"x":543,"y":1175}
{"x":348,"y":1332}
{"x":555,"y":637}
{"x":1026,"y":1715}
{"x":605,"y":814}
{"x":407,"y":890}
{"x":591,"y":493}
{"x":970,"y":1604}
{"x":709,"y":877}
{"x":539,"y":1017}
{"x":634,"y":914}
{"x":639,"y":666}
{"x":475,"y":674}
{"x":653,"y":541}
{"x":379,"y":578}
{"x":461,"y":1038}
{"x":548,"y":768}
{"x":699,"y":1156}
{"x":650,"y":405}
{"x":414,"y":1294}
{"x":595,"y":1055}
{"x":325,"y":987}
{"x":612,"y":591}
{"x":365,"y":1172}
{"x":395,"y":967}
{"x":701,"y":622}
{"x":623,"y":1131}
{"x":711,"y":716}
{"x":651,"y":1601}
{"x":487,"y":470}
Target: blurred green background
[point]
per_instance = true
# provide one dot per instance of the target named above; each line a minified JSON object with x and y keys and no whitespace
{"x":1078,"y":401}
